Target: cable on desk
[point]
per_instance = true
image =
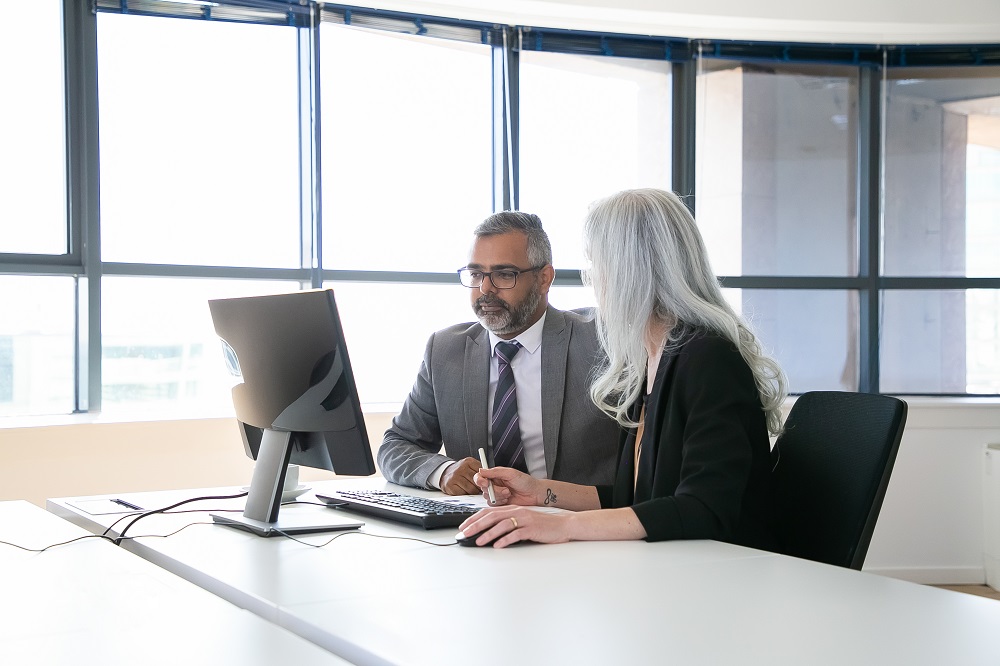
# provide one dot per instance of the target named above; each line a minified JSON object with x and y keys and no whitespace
{"x":168,"y":534}
{"x":331,"y":540}
{"x":121,"y":537}
{"x":368,"y":534}
{"x":61,"y":543}
{"x":165,"y":509}
{"x":108,"y":538}
{"x":174,"y":513}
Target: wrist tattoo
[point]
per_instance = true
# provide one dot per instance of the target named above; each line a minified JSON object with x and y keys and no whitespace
{"x":550,"y":497}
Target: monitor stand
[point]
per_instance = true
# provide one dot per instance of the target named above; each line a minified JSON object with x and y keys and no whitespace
{"x":261,"y":515}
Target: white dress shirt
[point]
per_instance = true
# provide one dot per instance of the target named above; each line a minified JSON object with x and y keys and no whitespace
{"x":527,"y":367}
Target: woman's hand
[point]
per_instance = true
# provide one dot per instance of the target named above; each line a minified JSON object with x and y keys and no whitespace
{"x":509,"y":524}
{"x":510,"y":486}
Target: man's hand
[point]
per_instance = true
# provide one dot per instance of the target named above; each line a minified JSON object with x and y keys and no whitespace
{"x":457,"y":478}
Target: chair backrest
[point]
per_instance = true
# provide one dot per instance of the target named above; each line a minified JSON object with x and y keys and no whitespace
{"x":831,"y":468}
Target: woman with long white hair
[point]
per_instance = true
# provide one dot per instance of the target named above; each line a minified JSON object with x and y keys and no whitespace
{"x":684,"y":376}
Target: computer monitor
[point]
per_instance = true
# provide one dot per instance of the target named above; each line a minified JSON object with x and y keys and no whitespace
{"x":295,"y":399}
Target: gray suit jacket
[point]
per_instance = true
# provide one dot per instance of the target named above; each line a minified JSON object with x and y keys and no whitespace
{"x":448,"y":405}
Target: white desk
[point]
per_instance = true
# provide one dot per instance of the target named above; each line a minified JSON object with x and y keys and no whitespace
{"x":380,"y":601}
{"x":90,"y":602}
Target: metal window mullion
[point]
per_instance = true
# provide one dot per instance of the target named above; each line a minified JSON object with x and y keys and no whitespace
{"x":206,"y":272}
{"x":684,"y":82}
{"x":869,"y":225}
{"x":83,"y":196}
{"x":505,"y":122}
{"x":310,"y":184}
{"x":396,"y":277}
{"x":812,"y":282}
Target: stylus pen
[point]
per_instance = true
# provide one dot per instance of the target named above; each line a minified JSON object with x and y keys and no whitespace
{"x":489,"y":490}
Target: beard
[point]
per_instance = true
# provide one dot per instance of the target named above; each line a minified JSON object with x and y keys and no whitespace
{"x":509,"y":319}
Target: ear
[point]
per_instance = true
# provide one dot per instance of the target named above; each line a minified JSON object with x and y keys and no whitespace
{"x":545,"y":277}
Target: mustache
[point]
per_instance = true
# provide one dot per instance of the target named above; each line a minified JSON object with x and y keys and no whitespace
{"x":489,"y":299}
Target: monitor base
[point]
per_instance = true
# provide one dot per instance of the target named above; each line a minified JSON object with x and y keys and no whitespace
{"x":309,"y":522}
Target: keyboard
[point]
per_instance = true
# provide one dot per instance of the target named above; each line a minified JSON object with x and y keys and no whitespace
{"x":427,"y":513}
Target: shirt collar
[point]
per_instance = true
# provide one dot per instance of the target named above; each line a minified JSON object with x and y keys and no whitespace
{"x":530,"y":339}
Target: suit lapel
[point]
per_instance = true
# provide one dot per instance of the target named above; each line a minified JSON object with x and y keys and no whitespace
{"x":476,"y":385}
{"x":555,"y":351}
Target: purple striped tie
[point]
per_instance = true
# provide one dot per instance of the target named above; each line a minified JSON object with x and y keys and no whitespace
{"x":507,"y":451}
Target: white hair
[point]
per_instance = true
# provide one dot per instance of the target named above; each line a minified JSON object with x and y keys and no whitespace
{"x":649,"y":261}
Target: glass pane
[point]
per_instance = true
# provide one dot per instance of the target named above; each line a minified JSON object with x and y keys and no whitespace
{"x":160,"y":350}
{"x":32,"y":140}
{"x":386,"y":349}
{"x":942,"y":172}
{"x":776,"y":177}
{"x":384,"y":357}
{"x":982,"y":341}
{"x":589,"y":127}
{"x":199,"y":143}
{"x":37,"y":371}
{"x":812,"y":334}
{"x":942,"y":341}
{"x":572,"y":297}
{"x":407,"y":149}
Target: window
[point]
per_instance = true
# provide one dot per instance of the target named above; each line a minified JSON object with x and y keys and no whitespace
{"x":407,"y":149}
{"x":942,"y":203}
{"x":777,"y":180}
{"x":848,"y":194}
{"x":387,"y":326}
{"x":813,"y":334}
{"x":199,"y":145}
{"x":36,"y":345}
{"x":160,"y":347}
{"x":942,"y":172}
{"x":776,"y":163}
{"x":589,"y":127}
{"x":32,"y":141}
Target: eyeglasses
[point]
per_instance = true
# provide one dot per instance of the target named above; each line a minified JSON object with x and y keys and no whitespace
{"x":505,"y":279}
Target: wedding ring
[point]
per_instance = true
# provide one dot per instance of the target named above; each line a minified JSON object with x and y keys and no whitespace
{"x":514,"y":520}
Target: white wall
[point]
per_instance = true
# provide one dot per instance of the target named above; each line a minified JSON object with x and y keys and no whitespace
{"x":846,"y":21}
{"x":930,"y":529}
{"x":97,"y":458}
{"x":931,"y":526}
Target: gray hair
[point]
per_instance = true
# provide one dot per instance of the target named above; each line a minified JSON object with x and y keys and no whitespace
{"x":648,"y":259}
{"x":539,"y":247}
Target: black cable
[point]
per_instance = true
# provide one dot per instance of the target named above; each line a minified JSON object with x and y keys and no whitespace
{"x":173,"y":513}
{"x":168,"y":534}
{"x":61,"y":543}
{"x":117,"y":540}
{"x":295,"y":501}
{"x":165,"y":509}
{"x":369,"y":534}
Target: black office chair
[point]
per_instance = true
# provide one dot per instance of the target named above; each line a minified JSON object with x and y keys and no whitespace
{"x":831,"y":468}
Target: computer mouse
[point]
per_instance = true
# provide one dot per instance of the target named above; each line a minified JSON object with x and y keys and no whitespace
{"x":469,"y":540}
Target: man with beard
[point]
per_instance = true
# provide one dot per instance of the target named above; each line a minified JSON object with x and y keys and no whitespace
{"x":562,"y":433}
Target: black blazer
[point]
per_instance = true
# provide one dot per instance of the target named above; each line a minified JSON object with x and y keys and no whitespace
{"x":704,"y":471}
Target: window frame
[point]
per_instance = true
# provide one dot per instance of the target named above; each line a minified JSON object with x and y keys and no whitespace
{"x":83,"y":257}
